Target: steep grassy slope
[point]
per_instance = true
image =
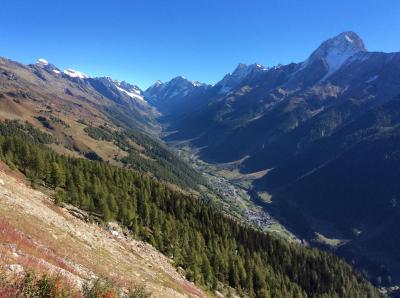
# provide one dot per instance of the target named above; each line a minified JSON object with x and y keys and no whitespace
{"x":37,"y":235}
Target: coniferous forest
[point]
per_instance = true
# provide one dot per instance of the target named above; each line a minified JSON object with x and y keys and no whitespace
{"x":211,"y":247}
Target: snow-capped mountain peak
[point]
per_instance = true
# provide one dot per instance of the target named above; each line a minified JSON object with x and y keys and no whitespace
{"x":335,"y":51}
{"x":345,"y":43}
{"x":44,"y":64}
{"x":156,"y":85}
{"x":42,"y":61}
{"x":181,"y":80}
{"x":241,"y":73}
{"x":75,"y":74}
{"x":178,"y":87}
{"x":243,"y":70}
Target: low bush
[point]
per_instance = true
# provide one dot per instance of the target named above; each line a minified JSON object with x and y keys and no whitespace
{"x":32,"y":285}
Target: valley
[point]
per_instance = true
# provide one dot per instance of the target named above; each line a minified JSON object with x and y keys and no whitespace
{"x":233,"y":191}
{"x":323,"y":136}
{"x":255,"y":186}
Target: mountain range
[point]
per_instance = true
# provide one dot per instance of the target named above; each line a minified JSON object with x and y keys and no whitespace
{"x":325,"y":130}
{"x":324,"y":133}
{"x":98,"y":118}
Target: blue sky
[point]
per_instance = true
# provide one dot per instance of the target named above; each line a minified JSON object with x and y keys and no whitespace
{"x":143,"y":41}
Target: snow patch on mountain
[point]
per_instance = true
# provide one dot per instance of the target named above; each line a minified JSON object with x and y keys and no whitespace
{"x":373,"y":78}
{"x":75,"y":74}
{"x":348,"y":38}
{"x":132,"y":93}
{"x":335,"y":58}
{"x":42,"y":61}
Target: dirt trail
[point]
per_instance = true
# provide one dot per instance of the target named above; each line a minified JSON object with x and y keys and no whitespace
{"x":34,"y":233}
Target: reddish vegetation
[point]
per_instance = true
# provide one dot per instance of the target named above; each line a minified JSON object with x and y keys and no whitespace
{"x":30,"y":252}
{"x":31,"y":285}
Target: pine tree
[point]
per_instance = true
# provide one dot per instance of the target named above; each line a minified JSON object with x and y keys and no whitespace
{"x":58,"y":175}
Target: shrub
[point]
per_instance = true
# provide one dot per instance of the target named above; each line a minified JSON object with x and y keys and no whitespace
{"x":139,"y":292}
{"x":30,"y":285}
{"x":46,"y":286}
{"x":99,"y":289}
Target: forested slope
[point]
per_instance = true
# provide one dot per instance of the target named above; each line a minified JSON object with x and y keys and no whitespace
{"x":211,"y":248}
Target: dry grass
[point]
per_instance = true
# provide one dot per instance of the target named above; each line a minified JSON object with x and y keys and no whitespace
{"x":29,"y":250}
{"x":329,"y":241}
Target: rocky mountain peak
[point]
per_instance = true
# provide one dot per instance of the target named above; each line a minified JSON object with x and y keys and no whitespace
{"x":346,"y":43}
{"x":75,"y":74}
{"x":117,"y":89}
{"x":178,"y":87}
{"x":44,"y":64}
{"x":242,"y":72}
{"x":335,"y":51}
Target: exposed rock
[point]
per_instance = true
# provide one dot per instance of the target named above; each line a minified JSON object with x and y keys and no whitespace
{"x":16,"y":268}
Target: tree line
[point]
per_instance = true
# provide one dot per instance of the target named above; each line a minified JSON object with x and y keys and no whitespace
{"x":153,"y":157}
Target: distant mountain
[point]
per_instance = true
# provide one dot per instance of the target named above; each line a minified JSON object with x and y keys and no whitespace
{"x":44,"y":64}
{"x":279,"y":99}
{"x":129,"y":106}
{"x":239,"y":76}
{"x":75,"y":74}
{"x":167,"y":96}
{"x":125,"y":95}
{"x":180,"y":94}
{"x":121,"y":92}
{"x":331,"y":55}
{"x":310,"y":124}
